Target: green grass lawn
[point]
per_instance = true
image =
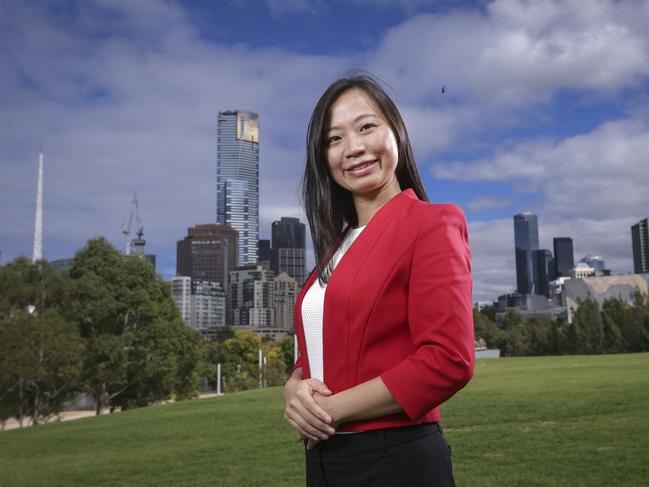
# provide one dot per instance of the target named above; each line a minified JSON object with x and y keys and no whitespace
{"x":521,"y":421}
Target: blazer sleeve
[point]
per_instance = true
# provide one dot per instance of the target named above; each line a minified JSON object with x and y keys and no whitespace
{"x":440,"y":316}
{"x":298,"y":363}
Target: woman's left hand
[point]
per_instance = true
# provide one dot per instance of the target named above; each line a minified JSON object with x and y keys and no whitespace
{"x":326,"y":403}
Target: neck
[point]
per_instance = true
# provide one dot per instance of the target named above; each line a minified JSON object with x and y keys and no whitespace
{"x":368,"y":204}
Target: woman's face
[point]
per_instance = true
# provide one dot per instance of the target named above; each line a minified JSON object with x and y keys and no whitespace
{"x":361,"y":149}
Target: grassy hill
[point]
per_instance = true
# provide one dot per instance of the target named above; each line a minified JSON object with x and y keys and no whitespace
{"x":581,"y":420}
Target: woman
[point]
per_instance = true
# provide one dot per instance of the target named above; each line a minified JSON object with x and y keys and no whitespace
{"x":384,"y":324}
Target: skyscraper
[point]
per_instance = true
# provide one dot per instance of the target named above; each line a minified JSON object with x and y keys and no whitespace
{"x":543,"y":272}
{"x":564,"y":257}
{"x":288,"y":253}
{"x":263,"y":250}
{"x":640,"y":243}
{"x":207,"y":253}
{"x":237,"y":179}
{"x":526,"y":239}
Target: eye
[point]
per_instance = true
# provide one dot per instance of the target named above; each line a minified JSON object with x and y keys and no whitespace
{"x":367,"y":126}
{"x":333,"y":139}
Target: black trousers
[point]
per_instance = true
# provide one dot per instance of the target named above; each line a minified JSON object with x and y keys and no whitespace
{"x":412,"y":456}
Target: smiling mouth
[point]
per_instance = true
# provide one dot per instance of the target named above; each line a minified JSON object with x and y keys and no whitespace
{"x":360,"y":167}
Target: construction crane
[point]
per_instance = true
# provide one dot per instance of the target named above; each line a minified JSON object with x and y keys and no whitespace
{"x":134,"y":246}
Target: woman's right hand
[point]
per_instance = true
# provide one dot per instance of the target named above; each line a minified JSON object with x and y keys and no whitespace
{"x":301,"y":410}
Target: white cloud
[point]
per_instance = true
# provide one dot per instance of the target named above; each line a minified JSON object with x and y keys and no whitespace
{"x":519,"y":51}
{"x":487,"y":202}
{"x":124,"y":96}
{"x":135,"y":110}
{"x":600,"y":174}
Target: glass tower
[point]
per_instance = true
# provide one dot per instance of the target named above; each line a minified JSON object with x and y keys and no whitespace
{"x":526,"y":240}
{"x":564,"y":258}
{"x":237,"y":179}
{"x":640,"y":245}
{"x":288,"y":252}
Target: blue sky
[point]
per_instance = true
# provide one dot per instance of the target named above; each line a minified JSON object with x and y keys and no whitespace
{"x":546,"y":110}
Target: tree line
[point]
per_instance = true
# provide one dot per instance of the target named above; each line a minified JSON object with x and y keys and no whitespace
{"x":616,"y":327}
{"x":110,"y":329}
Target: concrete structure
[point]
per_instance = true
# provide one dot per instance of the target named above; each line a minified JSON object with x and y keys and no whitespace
{"x":556,"y":288}
{"x":564,"y":257}
{"x":604,"y":287}
{"x":488,"y":353}
{"x":480,"y":305}
{"x":251,"y":289}
{"x":596,"y":262}
{"x":288,"y":252}
{"x":201,"y":303}
{"x":207,"y":253}
{"x":275,"y":334}
{"x":62,"y":265}
{"x":640,"y":246}
{"x":582,"y":270}
{"x":207,"y":305}
{"x":237,"y":179}
{"x":181,"y":291}
{"x":543,"y":271}
{"x":512,"y":300}
{"x":529,"y":305}
{"x":526,"y":240}
{"x":263,"y":251}
{"x":285,"y":291}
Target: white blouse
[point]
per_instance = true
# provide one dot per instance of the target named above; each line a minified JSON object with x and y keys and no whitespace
{"x":313,"y":309}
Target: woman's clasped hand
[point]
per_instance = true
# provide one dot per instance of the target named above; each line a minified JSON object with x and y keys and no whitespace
{"x":302,"y":411}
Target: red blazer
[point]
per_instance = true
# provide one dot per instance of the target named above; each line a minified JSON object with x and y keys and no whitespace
{"x":398,"y":305}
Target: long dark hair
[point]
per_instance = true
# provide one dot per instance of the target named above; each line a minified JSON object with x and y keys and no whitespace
{"x":329,"y":207}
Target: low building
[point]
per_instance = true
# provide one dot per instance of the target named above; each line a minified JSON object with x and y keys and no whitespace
{"x":582,"y":270}
{"x":181,"y":291}
{"x":285,"y":291}
{"x":251,"y":296}
{"x":208,"y":305}
{"x":201,"y":303}
{"x":604,"y":287}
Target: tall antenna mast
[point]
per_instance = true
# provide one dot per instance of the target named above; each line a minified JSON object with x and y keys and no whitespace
{"x":37,"y":253}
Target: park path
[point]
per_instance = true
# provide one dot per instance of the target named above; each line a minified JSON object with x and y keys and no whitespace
{"x":12,"y":424}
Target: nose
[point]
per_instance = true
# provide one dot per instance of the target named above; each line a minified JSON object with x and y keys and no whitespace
{"x":353,"y":146}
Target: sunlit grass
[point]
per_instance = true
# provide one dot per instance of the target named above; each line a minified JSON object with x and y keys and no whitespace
{"x":521,"y":421}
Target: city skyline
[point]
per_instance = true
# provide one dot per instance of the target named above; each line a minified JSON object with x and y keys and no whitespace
{"x":124,"y":98}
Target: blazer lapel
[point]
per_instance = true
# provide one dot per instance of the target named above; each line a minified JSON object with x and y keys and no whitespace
{"x":336,"y":314}
{"x":339,"y":357}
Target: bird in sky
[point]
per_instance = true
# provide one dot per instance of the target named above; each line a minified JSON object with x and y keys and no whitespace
{"x":443,"y":88}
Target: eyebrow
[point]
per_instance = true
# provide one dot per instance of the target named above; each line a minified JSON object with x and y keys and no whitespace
{"x":362,"y":115}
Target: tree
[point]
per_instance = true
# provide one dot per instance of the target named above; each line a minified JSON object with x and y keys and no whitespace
{"x":516,"y":341}
{"x":558,"y":336}
{"x":589,"y":327}
{"x":287,"y":351}
{"x":484,"y":328}
{"x":239,"y":357}
{"x":39,"y":365}
{"x":39,"y":349}
{"x":138,"y":349}
{"x":540,"y":335}
{"x":36,"y":286}
{"x":614,"y":314}
{"x":489,"y":312}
